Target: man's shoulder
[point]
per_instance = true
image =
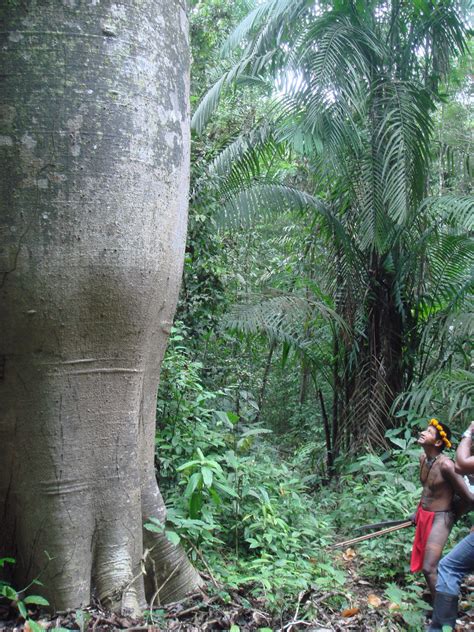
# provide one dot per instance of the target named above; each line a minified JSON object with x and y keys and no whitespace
{"x":446,"y":464}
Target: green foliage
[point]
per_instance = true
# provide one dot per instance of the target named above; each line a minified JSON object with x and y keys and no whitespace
{"x":82,"y":618}
{"x":327,"y":272}
{"x":239,"y":503}
{"x":205,"y":480}
{"x":18,"y":599}
{"x":412,"y":608}
{"x":264,"y":521}
{"x":353,"y":111}
{"x":376,"y":488}
{"x":186,"y":422}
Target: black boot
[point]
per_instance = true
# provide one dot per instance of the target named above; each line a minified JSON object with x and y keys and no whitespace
{"x":444,"y":612}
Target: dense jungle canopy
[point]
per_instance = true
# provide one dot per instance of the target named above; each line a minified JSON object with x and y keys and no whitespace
{"x":324,"y":315}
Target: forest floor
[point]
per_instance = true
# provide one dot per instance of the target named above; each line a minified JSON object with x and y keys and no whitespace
{"x":238,"y":611}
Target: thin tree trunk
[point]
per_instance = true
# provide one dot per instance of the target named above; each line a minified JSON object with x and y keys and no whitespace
{"x":335,"y":401}
{"x":305,"y":376}
{"x":266,"y":373}
{"x":327,"y":435}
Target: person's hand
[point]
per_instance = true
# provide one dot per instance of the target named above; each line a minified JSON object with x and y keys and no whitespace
{"x":470,"y":431}
{"x":412,"y":518}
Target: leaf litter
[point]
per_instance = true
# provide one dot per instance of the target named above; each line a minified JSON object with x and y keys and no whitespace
{"x":237,"y":610}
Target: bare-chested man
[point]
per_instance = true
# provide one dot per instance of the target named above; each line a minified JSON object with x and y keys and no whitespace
{"x":435,"y":515}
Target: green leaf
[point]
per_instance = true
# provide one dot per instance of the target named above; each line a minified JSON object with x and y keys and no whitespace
{"x":232,"y":417}
{"x":200,"y":454}
{"x":224,"y":418}
{"x":36,"y":599}
{"x":195,"y":481}
{"x":22,"y":609}
{"x":36,"y":627}
{"x":195,"y":505}
{"x":82,"y":619}
{"x":216,"y":499}
{"x":173,"y":537}
{"x":207,"y":476}
{"x":225,"y":489}
{"x":187,"y":465}
{"x":401,"y":443}
{"x":8,"y":592}
{"x":6,"y":560}
{"x":256,"y":431}
{"x":155,"y":528}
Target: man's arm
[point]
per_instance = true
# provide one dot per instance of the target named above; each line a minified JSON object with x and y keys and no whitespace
{"x":464,"y":460}
{"x":456,"y":481}
{"x":421,"y":461}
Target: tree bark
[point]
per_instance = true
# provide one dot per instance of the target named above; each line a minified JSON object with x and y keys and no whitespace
{"x":94,"y":155}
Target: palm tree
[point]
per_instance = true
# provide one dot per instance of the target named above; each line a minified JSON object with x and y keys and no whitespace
{"x":358,"y":86}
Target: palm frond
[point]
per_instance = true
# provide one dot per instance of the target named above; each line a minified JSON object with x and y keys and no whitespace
{"x":268,"y":20}
{"x":444,"y":32}
{"x":403,"y":145}
{"x":260,"y":201}
{"x":326,"y":94}
{"x":454,"y":210}
{"x":244,"y":159}
{"x":252,"y":66}
{"x":450,"y":273}
{"x":449,"y":391}
{"x":262,"y":54}
{"x":290,"y":319}
{"x":280,"y":318}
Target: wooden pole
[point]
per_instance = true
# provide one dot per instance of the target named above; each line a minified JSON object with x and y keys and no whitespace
{"x":369,"y":536}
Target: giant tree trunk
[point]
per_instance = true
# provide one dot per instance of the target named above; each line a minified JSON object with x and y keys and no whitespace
{"x":94,"y":160}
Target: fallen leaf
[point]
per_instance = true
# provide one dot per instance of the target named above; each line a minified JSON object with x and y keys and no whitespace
{"x":393,"y":606}
{"x":374,"y":600}
{"x":350,"y":612}
{"x":349,"y":554}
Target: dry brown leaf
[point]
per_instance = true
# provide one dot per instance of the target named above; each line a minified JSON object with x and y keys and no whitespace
{"x":393,"y":606}
{"x":349,"y":554}
{"x":374,"y":600}
{"x":350,"y":612}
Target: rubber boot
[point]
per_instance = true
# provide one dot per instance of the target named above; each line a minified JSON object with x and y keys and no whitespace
{"x":445,"y":611}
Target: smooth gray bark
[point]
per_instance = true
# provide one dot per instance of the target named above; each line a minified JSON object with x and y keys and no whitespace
{"x":94,"y":153}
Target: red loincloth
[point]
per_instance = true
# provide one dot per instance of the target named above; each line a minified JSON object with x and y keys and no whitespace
{"x":424,"y":522}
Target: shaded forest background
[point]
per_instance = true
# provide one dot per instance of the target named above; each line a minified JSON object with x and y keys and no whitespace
{"x":326,"y":307}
